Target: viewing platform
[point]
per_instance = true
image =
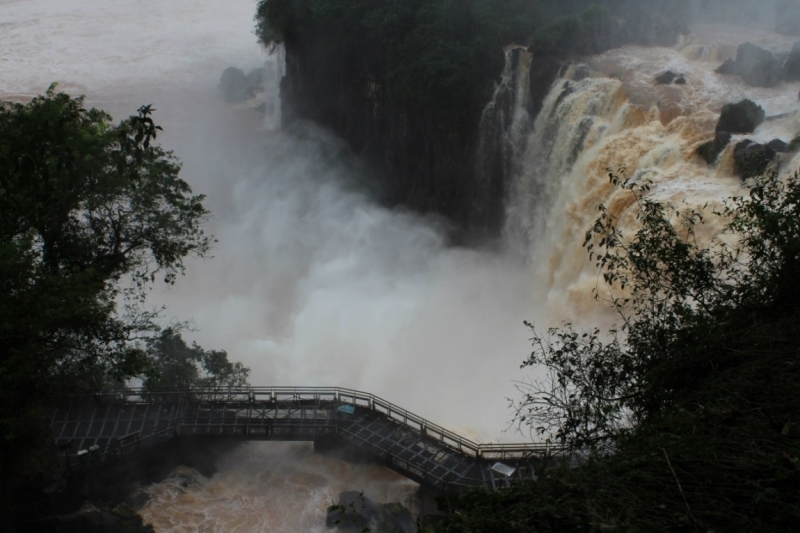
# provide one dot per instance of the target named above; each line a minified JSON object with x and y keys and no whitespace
{"x":96,"y":429}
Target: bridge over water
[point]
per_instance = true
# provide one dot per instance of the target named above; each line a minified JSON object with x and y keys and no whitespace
{"x":97,"y":429}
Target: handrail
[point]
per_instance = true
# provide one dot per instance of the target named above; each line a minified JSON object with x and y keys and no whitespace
{"x":341,"y":395}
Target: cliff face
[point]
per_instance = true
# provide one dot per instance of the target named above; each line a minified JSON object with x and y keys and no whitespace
{"x":430,"y":151}
{"x":426,"y":158}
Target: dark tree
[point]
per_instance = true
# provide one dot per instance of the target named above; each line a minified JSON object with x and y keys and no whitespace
{"x":177,"y":365}
{"x":91,"y":214}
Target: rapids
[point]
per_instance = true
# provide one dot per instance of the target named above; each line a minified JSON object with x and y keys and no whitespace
{"x":618,"y":119}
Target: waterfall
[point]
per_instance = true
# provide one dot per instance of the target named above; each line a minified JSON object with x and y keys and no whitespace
{"x":504,"y":125}
{"x":274,"y":70}
{"x":610,"y":115}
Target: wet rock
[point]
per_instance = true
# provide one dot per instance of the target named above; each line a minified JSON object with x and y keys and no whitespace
{"x":353,"y":512}
{"x":728,"y":67}
{"x":666,"y":78}
{"x":779,"y":146}
{"x":680,"y":80}
{"x":394,"y":518}
{"x":710,"y":150}
{"x":791,"y":69}
{"x":233,"y":85}
{"x":757,"y":66}
{"x":582,"y":72}
{"x":743,"y":117}
{"x":566,"y":91}
{"x":356,"y":513}
{"x":752,"y":159}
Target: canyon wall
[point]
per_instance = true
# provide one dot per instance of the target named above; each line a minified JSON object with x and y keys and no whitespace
{"x":429,"y":151}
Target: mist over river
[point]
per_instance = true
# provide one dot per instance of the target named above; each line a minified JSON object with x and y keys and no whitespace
{"x":314,"y":283}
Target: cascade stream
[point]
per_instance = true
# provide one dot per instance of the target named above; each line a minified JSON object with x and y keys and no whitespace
{"x":608,"y":114}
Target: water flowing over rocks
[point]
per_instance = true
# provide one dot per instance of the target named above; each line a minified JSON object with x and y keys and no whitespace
{"x":753,"y":159}
{"x":710,"y":150}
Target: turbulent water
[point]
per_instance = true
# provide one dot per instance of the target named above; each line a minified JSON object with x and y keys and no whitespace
{"x":313,"y":283}
{"x":609,"y":115}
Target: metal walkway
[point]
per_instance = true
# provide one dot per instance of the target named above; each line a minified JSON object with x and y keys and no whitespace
{"x":94,"y":430}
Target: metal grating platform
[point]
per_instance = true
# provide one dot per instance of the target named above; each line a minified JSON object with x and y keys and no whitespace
{"x":90,"y":430}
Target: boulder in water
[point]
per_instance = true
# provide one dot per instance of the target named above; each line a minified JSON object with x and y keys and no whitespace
{"x":791,"y":69}
{"x":794,"y":145}
{"x":357,"y":513}
{"x":582,"y":72}
{"x":233,"y":85}
{"x":667,"y":77}
{"x":752,"y":159}
{"x":710,"y":150}
{"x":743,"y":117}
{"x":780,"y":147}
{"x":728,"y":67}
{"x":757,"y":66}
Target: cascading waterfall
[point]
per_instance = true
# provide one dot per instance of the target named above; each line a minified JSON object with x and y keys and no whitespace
{"x":505,"y":124}
{"x":609,"y":115}
{"x":274,"y":70}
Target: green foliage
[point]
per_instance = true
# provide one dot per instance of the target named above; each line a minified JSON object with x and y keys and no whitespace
{"x":177,"y":365}
{"x":90,"y":215}
{"x":684,"y":417}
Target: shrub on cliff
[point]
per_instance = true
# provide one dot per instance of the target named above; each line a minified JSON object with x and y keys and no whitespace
{"x":684,"y":417}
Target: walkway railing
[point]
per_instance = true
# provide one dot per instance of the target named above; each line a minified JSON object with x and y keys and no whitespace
{"x":345,"y":396}
{"x":113,"y":424}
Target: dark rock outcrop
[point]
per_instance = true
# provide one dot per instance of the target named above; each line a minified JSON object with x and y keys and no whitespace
{"x":669,"y":77}
{"x":743,"y":117}
{"x":779,"y":146}
{"x":752,"y":159}
{"x":235,"y":86}
{"x":666,"y":78}
{"x":728,"y":68}
{"x":710,"y":150}
{"x":757,"y":66}
{"x":791,"y":69}
{"x":357,"y":513}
